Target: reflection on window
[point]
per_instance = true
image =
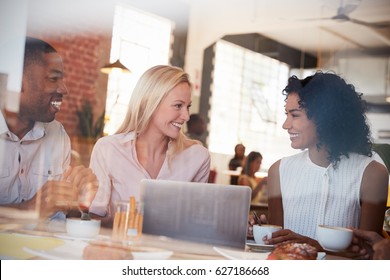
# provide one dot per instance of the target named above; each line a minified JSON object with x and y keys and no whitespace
{"x":246,"y":103}
{"x":140,"y":40}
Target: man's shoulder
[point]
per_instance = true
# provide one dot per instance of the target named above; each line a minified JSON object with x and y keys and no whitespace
{"x":55,"y":125}
{"x":55,"y":129}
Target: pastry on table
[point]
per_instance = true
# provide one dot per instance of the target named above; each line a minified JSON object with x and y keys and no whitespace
{"x":293,"y":251}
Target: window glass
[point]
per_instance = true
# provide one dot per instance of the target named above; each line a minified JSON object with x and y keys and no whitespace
{"x":140,"y":40}
{"x":247,"y":105}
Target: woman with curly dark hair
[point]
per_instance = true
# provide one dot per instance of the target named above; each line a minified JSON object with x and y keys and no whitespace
{"x":335,"y":180}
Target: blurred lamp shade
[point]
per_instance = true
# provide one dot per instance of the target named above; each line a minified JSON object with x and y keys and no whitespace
{"x":116,"y":65}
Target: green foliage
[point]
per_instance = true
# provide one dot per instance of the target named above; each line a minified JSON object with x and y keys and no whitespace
{"x":87,"y":127}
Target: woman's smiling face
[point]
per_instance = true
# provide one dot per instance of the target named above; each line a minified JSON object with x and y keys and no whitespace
{"x":173,"y":111}
{"x":302,"y":131}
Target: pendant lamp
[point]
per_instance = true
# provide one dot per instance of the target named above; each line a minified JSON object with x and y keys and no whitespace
{"x":116,"y":65}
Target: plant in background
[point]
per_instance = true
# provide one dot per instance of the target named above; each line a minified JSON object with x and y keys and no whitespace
{"x":87,"y":127}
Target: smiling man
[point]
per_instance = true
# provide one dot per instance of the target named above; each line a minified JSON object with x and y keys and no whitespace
{"x":35,"y":149}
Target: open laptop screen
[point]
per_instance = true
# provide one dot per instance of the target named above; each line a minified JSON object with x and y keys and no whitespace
{"x":200,"y":212}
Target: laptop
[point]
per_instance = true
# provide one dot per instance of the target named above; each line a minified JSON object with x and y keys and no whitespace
{"x":201,"y":212}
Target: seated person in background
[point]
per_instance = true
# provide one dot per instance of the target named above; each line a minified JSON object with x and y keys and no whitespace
{"x":236,"y":162}
{"x":383,"y":150}
{"x":334,"y":181}
{"x":196,"y":127}
{"x":34,"y":147}
{"x":150,"y":143}
{"x":371,"y":245}
{"x":247,"y":178}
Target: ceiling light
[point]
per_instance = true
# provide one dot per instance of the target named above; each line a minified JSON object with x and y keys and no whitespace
{"x":116,"y":65}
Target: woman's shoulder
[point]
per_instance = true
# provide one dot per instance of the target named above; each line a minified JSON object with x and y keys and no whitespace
{"x":198,"y":147}
{"x":119,"y":137}
{"x":360,"y":160}
{"x":275,"y":165}
{"x":114,"y":140}
{"x":295,"y":157}
{"x":197,"y":151}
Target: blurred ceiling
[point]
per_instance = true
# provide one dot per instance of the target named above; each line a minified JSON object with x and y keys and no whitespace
{"x":306,"y":24}
{"x":301,"y":24}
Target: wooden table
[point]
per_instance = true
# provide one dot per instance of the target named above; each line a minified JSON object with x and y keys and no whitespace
{"x":16,"y":234}
{"x":17,"y":239}
{"x":14,"y":239}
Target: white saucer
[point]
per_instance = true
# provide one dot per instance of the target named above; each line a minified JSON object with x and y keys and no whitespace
{"x":73,"y":250}
{"x":149,"y":253}
{"x":241,"y":255}
{"x":70,"y":237}
{"x":259,"y":247}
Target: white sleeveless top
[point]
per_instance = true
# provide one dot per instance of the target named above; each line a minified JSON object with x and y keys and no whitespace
{"x":313,"y":195}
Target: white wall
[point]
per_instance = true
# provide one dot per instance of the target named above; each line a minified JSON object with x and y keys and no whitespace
{"x":13,"y":20}
{"x":370,"y":75}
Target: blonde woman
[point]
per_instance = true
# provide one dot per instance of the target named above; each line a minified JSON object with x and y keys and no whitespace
{"x":150,"y":143}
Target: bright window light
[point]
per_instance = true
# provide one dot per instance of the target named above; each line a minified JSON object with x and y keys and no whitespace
{"x":247,"y":105}
{"x":140,"y":40}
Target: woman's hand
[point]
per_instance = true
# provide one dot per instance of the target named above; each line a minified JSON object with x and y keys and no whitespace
{"x":368,"y":245}
{"x":288,"y":236}
{"x":85,"y":181}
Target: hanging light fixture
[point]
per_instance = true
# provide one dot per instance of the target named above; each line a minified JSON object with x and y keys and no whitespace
{"x":116,"y":65}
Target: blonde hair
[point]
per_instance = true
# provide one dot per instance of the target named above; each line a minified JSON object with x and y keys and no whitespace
{"x":150,"y":90}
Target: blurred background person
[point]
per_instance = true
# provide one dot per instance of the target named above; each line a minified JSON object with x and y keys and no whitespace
{"x":237,"y":162}
{"x":252,"y":164}
{"x":196,"y":127}
{"x":383,"y":151}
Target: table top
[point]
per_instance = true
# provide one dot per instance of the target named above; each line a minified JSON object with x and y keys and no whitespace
{"x":19,"y":242}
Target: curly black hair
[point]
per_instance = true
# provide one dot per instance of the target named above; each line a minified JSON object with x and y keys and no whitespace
{"x":338,"y":112}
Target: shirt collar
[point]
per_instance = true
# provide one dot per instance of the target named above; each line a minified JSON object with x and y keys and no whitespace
{"x":127,"y":137}
{"x":38,"y":130}
{"x":131,"y":136}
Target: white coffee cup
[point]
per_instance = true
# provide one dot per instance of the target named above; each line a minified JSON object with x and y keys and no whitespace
{"x":334,"y":238}
{"x":261,"y":231}
{"x":82,"y":228}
